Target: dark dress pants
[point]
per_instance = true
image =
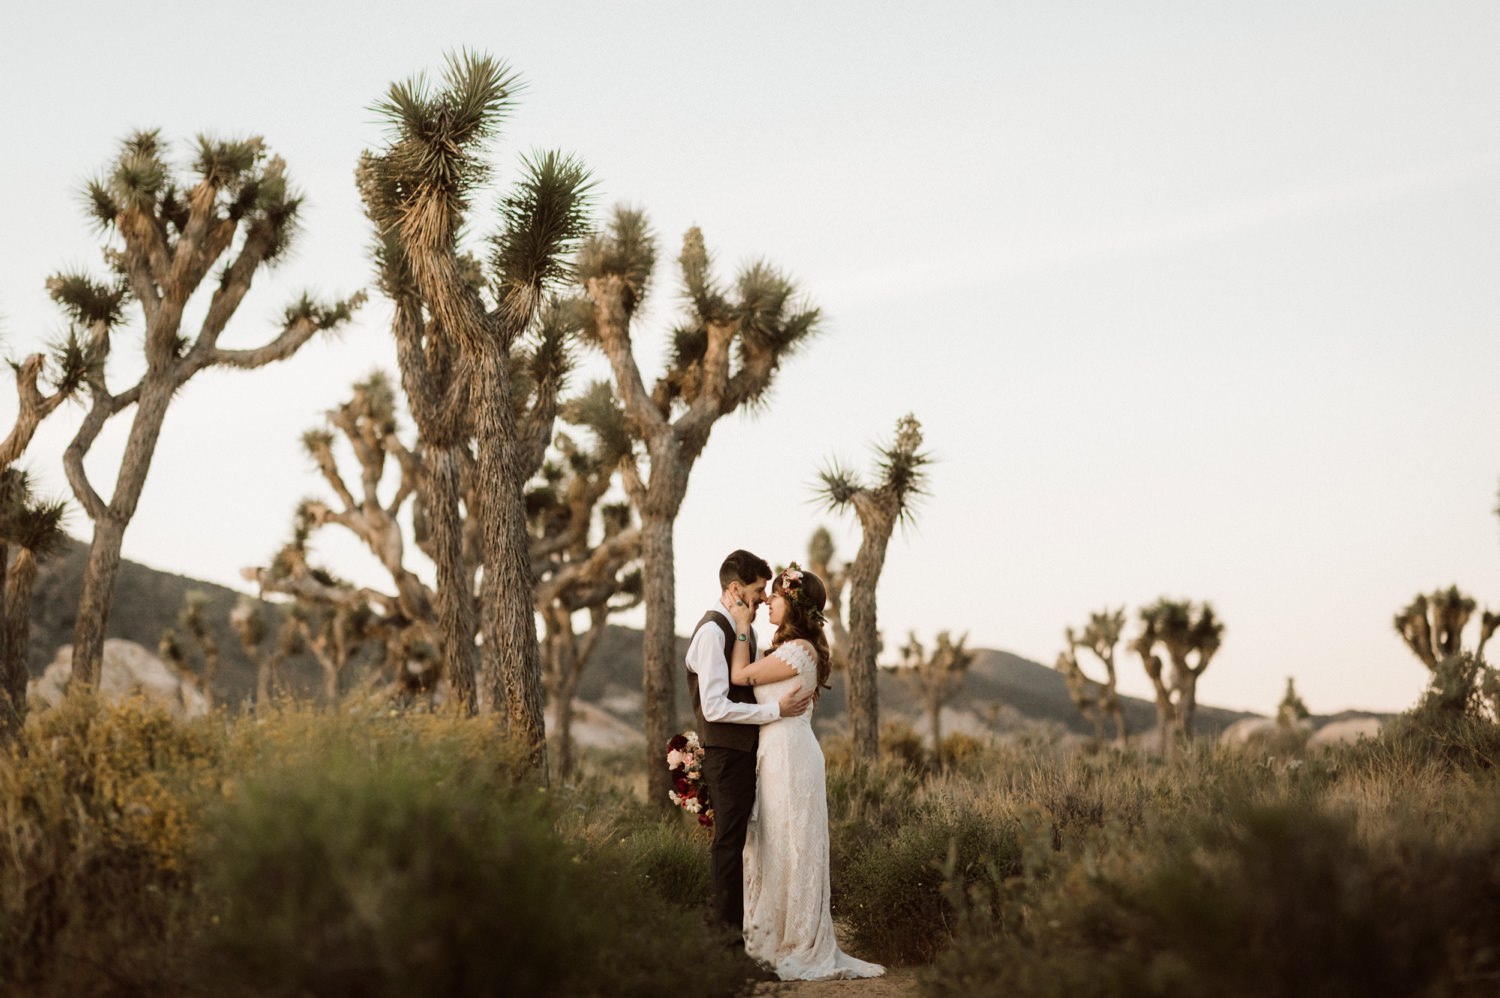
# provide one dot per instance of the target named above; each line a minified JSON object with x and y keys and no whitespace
{"x":730,"y":777}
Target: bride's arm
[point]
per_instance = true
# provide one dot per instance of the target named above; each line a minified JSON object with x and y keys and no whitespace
{"x":769,"y":669}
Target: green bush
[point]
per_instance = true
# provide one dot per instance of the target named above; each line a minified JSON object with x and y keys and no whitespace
{"x":417,"y":876}
{"x":896,"y":895}
{"x":671,"y":859}
{"x":1275,"y":899}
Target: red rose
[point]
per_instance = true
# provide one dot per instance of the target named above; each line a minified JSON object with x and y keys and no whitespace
{"x":678,"y":742}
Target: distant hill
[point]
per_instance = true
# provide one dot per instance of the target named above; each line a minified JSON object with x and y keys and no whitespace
{"x":999,"y":690}
{"x":146,"y":602}
{"x":998,"y":685}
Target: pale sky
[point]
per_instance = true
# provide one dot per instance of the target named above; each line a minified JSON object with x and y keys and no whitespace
{"x":1196,"y":300}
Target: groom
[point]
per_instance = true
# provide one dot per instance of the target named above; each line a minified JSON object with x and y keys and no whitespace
{"x":729,"y":722}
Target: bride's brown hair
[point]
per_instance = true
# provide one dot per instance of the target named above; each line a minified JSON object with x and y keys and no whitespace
{"x":805,"y":597}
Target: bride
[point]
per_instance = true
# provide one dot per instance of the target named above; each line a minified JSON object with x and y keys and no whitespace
{"x":788,"y":926}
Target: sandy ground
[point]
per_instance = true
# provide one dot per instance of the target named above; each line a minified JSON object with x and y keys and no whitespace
{"x":898,"y":983}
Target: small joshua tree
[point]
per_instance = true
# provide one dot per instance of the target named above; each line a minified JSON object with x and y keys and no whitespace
{"x":1095,"y":698}
{"x":249,"y":623}
{"x":724,"y":355}
{"x":1190,"y":640}
{"x":937,"y":676}
{"x":231,"y":216}
{"x":820,"y":554}
{"x":1291,"y":711}
{"x":192,"y":635}
{"x":576,"y":574}
{"x":880,"y":505}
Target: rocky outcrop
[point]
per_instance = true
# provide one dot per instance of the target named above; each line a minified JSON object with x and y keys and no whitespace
{"x":128,"y":669}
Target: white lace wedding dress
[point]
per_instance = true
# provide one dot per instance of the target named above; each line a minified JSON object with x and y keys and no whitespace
{"x":788,"y":926}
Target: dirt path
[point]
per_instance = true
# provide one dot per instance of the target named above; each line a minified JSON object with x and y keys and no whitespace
{"x":898,"y":983}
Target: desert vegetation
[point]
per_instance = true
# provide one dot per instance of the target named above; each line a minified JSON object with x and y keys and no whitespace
{"x":412,"y":821}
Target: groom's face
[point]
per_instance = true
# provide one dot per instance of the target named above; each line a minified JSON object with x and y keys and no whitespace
{"x":753,"y":593}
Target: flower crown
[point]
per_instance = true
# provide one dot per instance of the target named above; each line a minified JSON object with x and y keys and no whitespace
{"x":790,"y":584}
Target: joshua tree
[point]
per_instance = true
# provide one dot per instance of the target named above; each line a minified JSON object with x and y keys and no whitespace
{"x":1087,"y":694}
{"x":724,"y":354}
{"x":333,"y":633}
{"x":600,"y":580}
{"x":171,"y":233}
{"x":30,"y":531}
{"x":417,"y":191}
{"x":1190,"y":644}
{"x":192,"y":626}
{"x":899,"y":482}
{"x":1100,"y":636}
{"x":937,"y":676}
{"x":820,"y":552}
{"x":1432,"y":626}
{"x":576,"y":575}
{"x":249,"y":623}
{"x":1291,"y":711}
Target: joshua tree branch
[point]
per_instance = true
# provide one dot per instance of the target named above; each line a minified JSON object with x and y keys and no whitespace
{"x":33,"y":406}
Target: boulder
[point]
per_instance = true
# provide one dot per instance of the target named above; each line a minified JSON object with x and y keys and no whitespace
{"x":128,"y":669}
{"x":1345,"y":732}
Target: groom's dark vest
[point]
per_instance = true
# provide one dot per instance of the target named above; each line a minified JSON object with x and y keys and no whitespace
{"x":743,"y":737}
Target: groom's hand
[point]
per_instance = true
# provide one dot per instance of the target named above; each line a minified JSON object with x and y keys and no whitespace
{"x":795,"y":703}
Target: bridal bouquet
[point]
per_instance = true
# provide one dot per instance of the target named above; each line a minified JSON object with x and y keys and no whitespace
{"x":685,"y":763}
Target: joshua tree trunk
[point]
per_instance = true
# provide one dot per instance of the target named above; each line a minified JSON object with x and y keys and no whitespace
{"x":659,"y":645}
{"x":454,"y":598}
{"x":864,"y":639}
{"x":15,"y":636}
{"x":441,"y":486}
{"x":1187,"y":701}
{"x":935,"y":724}
{"x":109,"y":528}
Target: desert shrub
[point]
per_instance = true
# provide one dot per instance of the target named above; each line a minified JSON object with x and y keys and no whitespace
{"x":417,"y":870}
{"x":1264,"y":899}
{"x":670,"y":858}
{"x":98,"y":805}
{"x":895,"y":894}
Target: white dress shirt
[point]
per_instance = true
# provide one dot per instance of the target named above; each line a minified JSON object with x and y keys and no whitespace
{"x":705,"y":658}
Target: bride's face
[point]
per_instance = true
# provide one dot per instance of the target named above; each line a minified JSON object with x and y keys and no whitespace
{"x":777,"y":609}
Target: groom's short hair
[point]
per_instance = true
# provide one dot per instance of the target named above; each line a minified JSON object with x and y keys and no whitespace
{"x":744,"y":568}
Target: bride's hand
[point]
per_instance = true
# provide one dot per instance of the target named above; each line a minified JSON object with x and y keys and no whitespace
{"x":742,"y":613}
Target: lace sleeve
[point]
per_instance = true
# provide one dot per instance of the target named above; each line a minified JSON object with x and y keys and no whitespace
{"x":798,"y":657}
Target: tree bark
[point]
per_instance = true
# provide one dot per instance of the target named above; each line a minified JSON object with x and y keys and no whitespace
{"x":109,"y":529}
{"x":19,"y":573}
{"x":658,"y":649}
{"x":864,"y":641}
{"x":511,"y":655}
{"x":1187,"y":702}
{"x":454,"y":597}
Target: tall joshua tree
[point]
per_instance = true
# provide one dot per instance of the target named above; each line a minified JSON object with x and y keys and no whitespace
{"x":725,"y":353}
{"x":418,"y":191}
{"x":1101,"y":636}
{"x":938,"y":677}
{"x":1190,"y":641}
{"x":881,"y":504}
{"x":169,"y":233}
